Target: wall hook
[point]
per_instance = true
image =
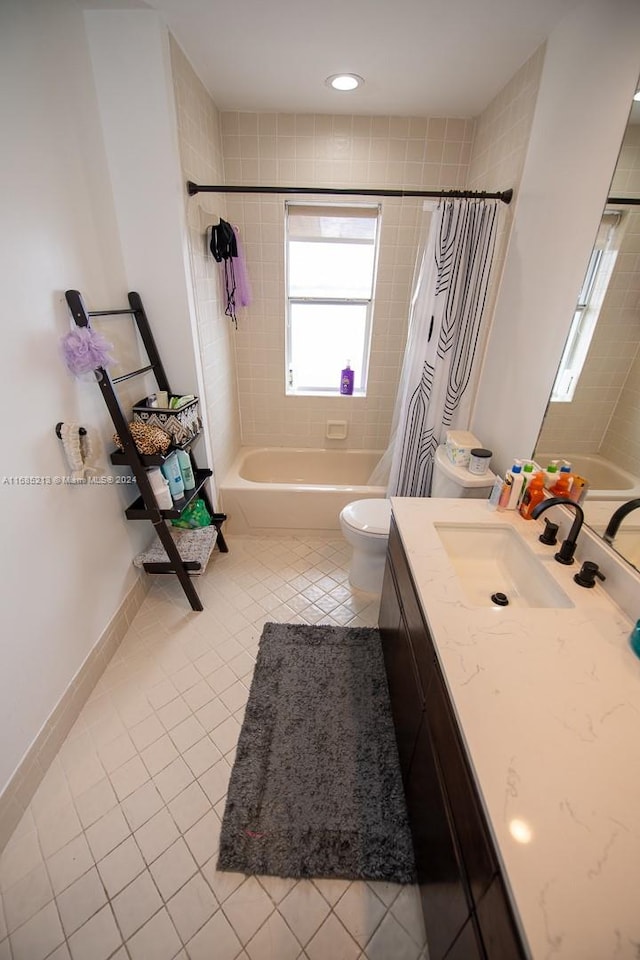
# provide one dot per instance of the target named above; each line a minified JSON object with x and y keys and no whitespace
{"x":81,"y":430}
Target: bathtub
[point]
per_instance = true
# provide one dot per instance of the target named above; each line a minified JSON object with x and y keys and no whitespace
{"x":283,"y":490}
{"x":606,"y":480}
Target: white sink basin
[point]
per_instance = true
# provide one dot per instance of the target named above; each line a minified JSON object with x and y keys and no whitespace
{"x":491,"y":558}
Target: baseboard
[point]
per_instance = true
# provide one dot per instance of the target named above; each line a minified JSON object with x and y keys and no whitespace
{"x":18,"y":793}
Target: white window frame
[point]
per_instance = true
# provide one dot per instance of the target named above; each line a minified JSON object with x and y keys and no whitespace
{"x":590,"y":300}
{"x":291,"y":388}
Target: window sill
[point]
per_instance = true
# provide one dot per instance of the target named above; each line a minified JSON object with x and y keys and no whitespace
{"x":325,"y":393}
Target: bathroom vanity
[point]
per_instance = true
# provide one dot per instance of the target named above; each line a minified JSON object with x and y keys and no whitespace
{"x":518,"y":731}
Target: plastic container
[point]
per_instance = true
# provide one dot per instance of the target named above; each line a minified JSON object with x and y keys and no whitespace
{"x":634,"y":639}
{"x":563,"y":484}
{"x":186,"y":470}
{"x":479,"y":460}
{"x":346,"y":380}
{"x":532,"y":496}
{"x":160,"y":488}
{"x":511,"y":488}
{"x":171,"y":470}
{"x":550,"y":474}
{"x":459,"y":444}
{"x":528,"y":473}
{"x":579,"y":489}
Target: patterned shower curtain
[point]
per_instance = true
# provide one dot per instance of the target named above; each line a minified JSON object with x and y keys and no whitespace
{"x":444,"y":325}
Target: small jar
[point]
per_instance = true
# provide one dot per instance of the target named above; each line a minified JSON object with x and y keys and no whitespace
{"x":479,"y":460}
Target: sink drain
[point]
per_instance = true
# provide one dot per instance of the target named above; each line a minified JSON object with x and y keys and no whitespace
{"x":501,"y":599}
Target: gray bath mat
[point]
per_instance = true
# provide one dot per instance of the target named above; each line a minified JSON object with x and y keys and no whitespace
{"x":316,"y":789}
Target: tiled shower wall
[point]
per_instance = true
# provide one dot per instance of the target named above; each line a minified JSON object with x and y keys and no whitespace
{"x":201,"y":160}
{"x":330,"y":151}
{"x":604,"y":415}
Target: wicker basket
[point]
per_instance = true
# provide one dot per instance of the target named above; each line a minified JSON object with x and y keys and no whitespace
{"x":182,"y":425}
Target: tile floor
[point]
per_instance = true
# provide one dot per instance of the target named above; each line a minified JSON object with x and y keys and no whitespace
{"x":116,"y":856}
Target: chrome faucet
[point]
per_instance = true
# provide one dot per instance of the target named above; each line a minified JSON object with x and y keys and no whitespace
{"x":617,"y":517}
{"x":568,"y":548}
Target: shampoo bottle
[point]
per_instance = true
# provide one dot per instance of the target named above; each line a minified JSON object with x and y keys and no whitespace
{"x":532,"y":495}
{"x":516,"y":486}
{"x":186,"y":470}
{"x":346,"y":380}
{"x":160,"y":488}
{"x":527,"y":476}
{"x":171,"y":470}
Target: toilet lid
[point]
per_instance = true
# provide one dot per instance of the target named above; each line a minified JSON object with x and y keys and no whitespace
{"x":462,"y":475}
{"x":373,"y":515}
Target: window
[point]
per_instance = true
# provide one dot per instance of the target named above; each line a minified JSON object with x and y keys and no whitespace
{"x":331,"y":254}
{"x":590,"y":301}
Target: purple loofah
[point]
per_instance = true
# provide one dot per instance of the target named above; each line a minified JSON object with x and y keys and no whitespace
{"x":84,"y":350}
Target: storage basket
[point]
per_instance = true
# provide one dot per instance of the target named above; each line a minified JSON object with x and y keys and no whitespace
{"x":182,"y":425}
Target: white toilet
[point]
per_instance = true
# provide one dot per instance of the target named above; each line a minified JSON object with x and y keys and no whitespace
{"x":365,"y":523}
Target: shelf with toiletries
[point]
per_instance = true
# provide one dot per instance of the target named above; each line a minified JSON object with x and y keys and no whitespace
{"x":120,"y":459}
{"x":138,"y":511}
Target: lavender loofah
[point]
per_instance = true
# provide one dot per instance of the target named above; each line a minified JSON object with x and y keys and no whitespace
{"x":84,"y":350}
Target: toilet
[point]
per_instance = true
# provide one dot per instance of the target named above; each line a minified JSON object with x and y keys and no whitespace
{"x":365,"y":523}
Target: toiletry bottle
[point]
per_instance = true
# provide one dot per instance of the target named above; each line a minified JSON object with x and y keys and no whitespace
{"x":160,"y":488}
{"x":186,"y":470}
{"x":505,"y":492}
{"x":563,"y":484}
{"x":532,"y":495}
{"x":346,"y":380}
{"x":579,"y":488}
{"x":527,"y":476}
{"x":516,"y":486}
{"x":634,"y":639}
{"x":171,"y":470}
{"x":550,"y":474}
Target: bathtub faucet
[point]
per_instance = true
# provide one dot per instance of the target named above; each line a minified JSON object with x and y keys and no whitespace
{"x":617,"y":517}
{"x":568,"y":548}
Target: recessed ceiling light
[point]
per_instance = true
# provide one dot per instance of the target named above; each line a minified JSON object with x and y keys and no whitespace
{"x":344,"y":81}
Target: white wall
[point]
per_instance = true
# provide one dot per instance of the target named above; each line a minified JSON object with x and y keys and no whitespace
{"x":66,"y":555}
{"x":130,"y":56}
{"x":589,"y":75}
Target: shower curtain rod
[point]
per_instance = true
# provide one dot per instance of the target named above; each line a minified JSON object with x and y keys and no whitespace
{"x":632,"y":201}
{"x":504,"y":195}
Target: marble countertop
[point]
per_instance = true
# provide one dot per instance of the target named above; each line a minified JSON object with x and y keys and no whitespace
{"x":548,"y":703}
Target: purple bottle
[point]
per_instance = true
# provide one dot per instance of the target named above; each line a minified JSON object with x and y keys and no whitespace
{"x":346,"y":381}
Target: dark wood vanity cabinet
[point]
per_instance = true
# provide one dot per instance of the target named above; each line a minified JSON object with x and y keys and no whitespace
{"x":465,"y":905}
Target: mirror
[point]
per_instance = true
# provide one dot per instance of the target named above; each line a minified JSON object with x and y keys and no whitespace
{"x":593,"y":416}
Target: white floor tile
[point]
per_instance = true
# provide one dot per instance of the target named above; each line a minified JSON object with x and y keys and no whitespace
{"x":191,"y":907}
{"x":26,"y":898}
{"x":79,"y":902}
{"x":305,"y":910}
{"x":107,"y":833}
{"x":121,"y":866}
{"x":203,"y":838}
{"x":189,"y":806}
{"x":39,"y":936}
{"x":69,"y":864}
{"x":173,"y":868}
{"x":332,"y":940}
{"x":97,"y":939}
{"x":360,"y":911}
{"x":247,"y":908}
{"x":216,"y":939}
{"x":155,"y":836}
{"x":136,"y":904}
{"x":157,"y":939}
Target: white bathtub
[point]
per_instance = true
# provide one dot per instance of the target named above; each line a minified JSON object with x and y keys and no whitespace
{"x":280,"y":490}
{"x":606,"y":480}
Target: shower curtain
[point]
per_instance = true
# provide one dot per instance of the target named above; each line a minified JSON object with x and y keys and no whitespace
{"x":444,"y":325}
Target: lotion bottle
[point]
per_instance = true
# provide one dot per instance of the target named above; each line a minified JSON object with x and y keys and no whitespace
{"x":346,"y":380}
{"x":516,"y":486}
{"x":563,"y":484}
{"x":186,"y":470}
{"x":171,"y":470}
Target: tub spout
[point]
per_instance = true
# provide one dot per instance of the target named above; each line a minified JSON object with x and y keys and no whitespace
{"x":568,"y":548}
{"x":617,"y":517}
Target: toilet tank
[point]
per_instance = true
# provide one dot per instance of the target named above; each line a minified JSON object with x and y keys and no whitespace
{"x":450,"y":480}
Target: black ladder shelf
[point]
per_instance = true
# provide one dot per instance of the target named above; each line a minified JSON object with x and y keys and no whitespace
{"x":146,"y":506}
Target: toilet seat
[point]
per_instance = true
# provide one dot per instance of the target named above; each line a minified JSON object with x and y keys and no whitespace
{"x":370,"y":517}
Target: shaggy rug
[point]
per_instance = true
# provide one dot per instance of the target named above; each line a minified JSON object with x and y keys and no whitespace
{"x":316,"y":789}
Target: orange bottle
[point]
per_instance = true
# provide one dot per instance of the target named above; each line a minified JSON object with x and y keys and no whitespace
{"x":563,"y":484}
{"x":532,"y":495}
